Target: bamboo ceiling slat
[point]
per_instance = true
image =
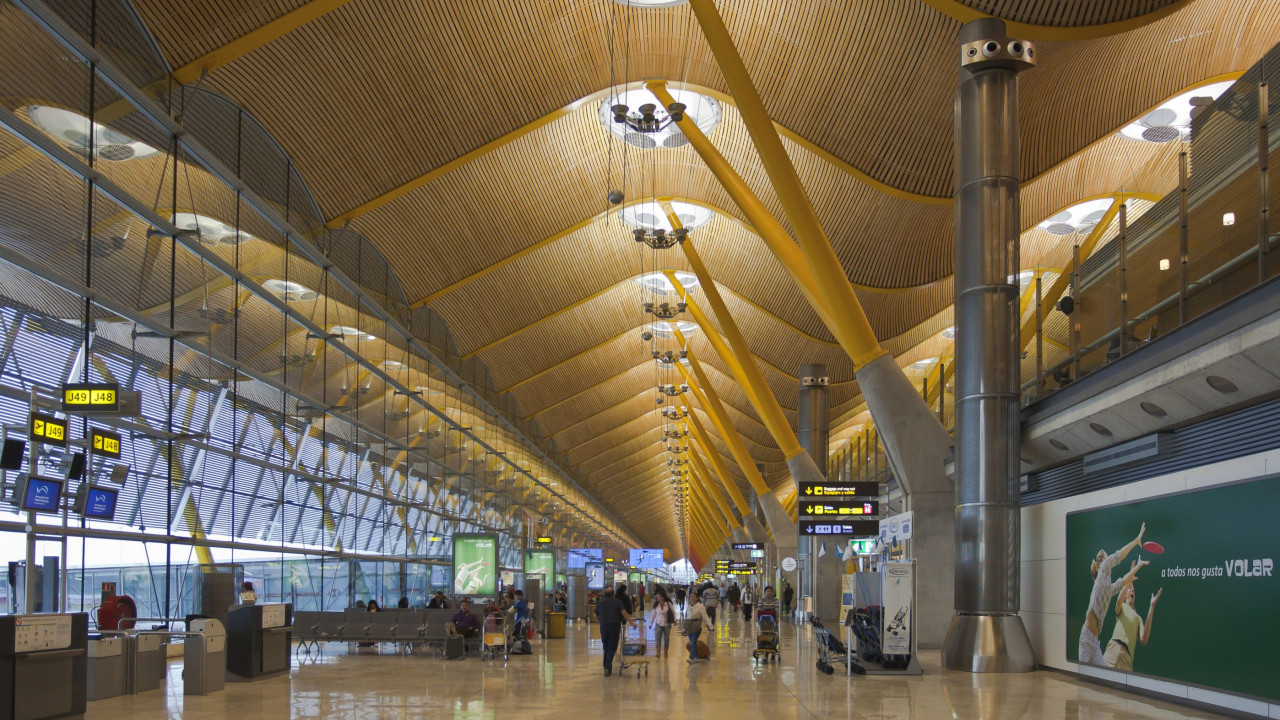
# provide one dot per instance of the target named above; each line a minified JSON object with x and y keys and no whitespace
{"x":1056,"y":13}
{"x":193,"y":28}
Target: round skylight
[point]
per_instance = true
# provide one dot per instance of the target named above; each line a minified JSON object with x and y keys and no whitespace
{"x":650,"y":3}
{"x":1079,"y":218}
{"x":924,"y":364}
{"x":1172,"y":120}
{"x":650,"y":215}
{"x":289,"y":290}
{"x":658,"y":284}
{"x":73,"y":131}
{"x":703,"y":110}
{"x":392,"y":364}
{"x":949,"y":333}
{"x":1023,"y":279}
{"x":663,"y":328}
{"x":210,"y":231}
{"x":349,"y":333}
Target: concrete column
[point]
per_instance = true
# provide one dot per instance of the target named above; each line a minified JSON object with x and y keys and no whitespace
{"x":986,"y":634}
{"x":814,"y":433}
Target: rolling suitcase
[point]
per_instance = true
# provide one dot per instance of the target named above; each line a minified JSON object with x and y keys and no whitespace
{"x":704,"y":652}
{"x":455,"y":647}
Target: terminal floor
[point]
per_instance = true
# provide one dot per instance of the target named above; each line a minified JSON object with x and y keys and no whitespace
{"x":564,"y":679}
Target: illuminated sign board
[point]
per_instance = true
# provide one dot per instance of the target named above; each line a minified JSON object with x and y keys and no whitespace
{"x":544,"y":540}
{"x":838,"y":489}
{"x":868,"y":507}
{"x":748,"y":546}
{"x":866,"y":528}
{"x":41,"y":494}
{"x":99,"y":397}
{"x":48,"y":429}
{"x":104,"y":443}
{"x":100,"y":503}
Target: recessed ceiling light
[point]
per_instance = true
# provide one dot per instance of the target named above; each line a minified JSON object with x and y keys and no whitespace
{"x":289,"y":290}
{"x":703,"y":110}
{"x":658,"y":284}
{"x":209,"y":230}
{"x":1172,"y":120}
{"x":73,"y":131}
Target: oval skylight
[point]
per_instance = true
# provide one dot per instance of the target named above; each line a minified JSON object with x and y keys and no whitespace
{"x":663,"y":329}
{"x":349,"y":333}
{"x":1172,"y":120}
{"x":949,"y":333}
{"x":650,"y":3}
{"x":924,"y":364}
{"x":658,"y":284}
{"x":289,"y":290}
{"x":1080,"y":218}
{"x":650,"y":215}
{"x":660,"y":132}
{"x":210,"y":231}
{"x":73,"y":131}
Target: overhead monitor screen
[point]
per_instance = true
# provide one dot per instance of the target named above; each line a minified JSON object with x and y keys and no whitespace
{"x":647,"y":559}
{"x":579,"y":557}
{"x":101,"y":503}
{"x":595,"y":576}
{"x":41,"y":495}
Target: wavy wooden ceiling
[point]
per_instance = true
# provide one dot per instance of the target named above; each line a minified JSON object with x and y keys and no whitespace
{"x":372,"y":95}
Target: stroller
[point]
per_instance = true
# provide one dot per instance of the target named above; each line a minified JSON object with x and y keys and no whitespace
{"x":866,"y":628}
{"x":831,"y":650}
{"x":766,"y":637}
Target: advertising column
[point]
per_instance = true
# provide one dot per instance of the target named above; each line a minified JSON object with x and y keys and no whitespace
{"x":475,"y":564}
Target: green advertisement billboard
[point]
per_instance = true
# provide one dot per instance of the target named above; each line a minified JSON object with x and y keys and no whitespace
{"x":1181,"y":587}
{"x":635,"y":577}
{"x":540,"y":562}
{"x":475,"y":564}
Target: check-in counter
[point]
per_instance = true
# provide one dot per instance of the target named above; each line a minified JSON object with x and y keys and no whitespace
{"x":259,"y":640}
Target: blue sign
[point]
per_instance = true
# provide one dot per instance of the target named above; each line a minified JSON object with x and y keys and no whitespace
{"x":440,"y":576}
{"x":101,"y":503}
{"x":647,"y":559}
{"x":579,"y":557}
{"x":41,"y":495}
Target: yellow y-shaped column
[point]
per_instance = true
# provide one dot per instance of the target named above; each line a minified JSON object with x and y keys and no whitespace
{"x":731,"y":487}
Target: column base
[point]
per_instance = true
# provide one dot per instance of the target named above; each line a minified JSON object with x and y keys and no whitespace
{"x":988,"y":644}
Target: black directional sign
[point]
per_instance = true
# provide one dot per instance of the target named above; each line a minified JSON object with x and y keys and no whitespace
{"x":748,"y":546}
{"x":817,"y":490}
{"x":838,"y":508}
{"x":858,"y":528}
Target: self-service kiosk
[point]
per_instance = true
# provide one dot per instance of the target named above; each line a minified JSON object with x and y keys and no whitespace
{"x":43,"y":666}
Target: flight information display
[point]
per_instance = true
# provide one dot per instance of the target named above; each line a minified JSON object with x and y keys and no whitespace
{"x":579,"y":557}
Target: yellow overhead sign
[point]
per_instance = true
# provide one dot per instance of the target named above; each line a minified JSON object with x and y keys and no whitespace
{"x":90,"y":396}
{"x":48,"y":429}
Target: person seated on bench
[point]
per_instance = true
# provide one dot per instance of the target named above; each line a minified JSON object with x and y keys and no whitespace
{"x":438,"y":601}
{"x":464,"y":622}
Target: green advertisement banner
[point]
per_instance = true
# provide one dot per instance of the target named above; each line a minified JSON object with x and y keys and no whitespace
{"x":475,"y":564}
{"x":540,"y":562}
{"x":635,"y":577}
{"x":1191,"y":598}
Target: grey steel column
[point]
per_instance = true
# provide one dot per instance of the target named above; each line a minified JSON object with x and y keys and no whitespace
{"x":986,"y":634}
{"x":814,"y":433}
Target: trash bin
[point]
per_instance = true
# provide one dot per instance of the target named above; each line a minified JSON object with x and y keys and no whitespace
{"x":204,"y":668}
{"x":555,"y":624}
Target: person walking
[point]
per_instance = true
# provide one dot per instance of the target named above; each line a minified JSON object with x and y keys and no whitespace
{"x":661,"y":621}
{"x":748,"y":596}
{"x":788,"y":596}
{"x":695,"y":623}
{"x":710,"y":600}
{"x":680,"y":599}
{"x":610,"y":614}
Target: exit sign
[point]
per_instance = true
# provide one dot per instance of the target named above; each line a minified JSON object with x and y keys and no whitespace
{"x":98,"y":397}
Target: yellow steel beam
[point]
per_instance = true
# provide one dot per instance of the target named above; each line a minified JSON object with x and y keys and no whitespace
{"x":1029,"y":31}
{"x":246,"y":44}
{"x":696,"y":431}
{"x":852,"y":328}
{"x":736,"y":355}
{"x":706,"y":396}
{"x":699,"y":473}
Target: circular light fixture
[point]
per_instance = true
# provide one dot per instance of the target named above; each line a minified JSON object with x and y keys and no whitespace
{"x":209,"y":230}
{"x":76,"y":132}
{"x":949,"y":333}
{"x":1080,"y":218}
{"x":658,"y":284}
{"x":1172,"y":120}
{"x":649,"y":215}
{"x":645,"y":122}
{"x":289,"y":290}
{"x":663,"y":329}
{"x":348,"y":332}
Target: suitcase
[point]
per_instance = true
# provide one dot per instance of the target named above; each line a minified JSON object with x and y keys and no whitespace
{"x":704,"y":652}
{"x":455,"y":647}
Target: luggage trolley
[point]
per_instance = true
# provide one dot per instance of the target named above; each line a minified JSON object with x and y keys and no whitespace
{"x":634,"y":650}
{"x":493,"y":639}
{"x":767,"y":645}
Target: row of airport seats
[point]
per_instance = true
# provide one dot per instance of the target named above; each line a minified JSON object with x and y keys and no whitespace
{"x":410,"y":631}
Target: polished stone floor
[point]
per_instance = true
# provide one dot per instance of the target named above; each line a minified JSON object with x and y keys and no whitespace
{"x":564,"y":679}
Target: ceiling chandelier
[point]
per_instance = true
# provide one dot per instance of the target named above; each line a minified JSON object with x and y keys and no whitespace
{"x":658,"y":239}
{"x":674,"y":413}
{"x":673,"y":434}
{"x":676,"y":448}
{"x":671,"y":390}
{"x":664,"y":310}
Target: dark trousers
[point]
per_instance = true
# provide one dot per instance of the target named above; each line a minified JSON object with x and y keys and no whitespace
{"x":711,"y":613}
{"x":609,"y":634}
{"x":746,"y":611}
